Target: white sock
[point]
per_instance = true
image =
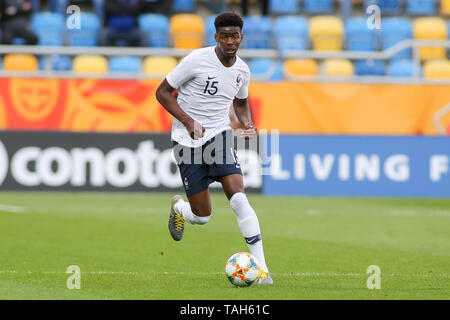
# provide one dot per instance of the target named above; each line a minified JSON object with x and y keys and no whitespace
{"x":184,"y":208}
{"x":249,"y":225}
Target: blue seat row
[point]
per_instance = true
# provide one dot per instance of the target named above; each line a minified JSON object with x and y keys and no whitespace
{"x":278,"y":7}
{"x":272,"y":69}
{"x":286,"y":33}
{"x":265,"y":69}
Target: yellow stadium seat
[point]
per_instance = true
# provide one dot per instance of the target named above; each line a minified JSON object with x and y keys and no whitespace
{"x":430,"y":28}
{"x":445,"y":7}
{"x":90,"y":64}
{"x":437,"y":68}
{"x":339,"y":67}
{"x":20,"y":62}
{"x":326,"y":33}
{"x":301,"y":67}
{"x":187,"y":31}
{"x":159,"y":65}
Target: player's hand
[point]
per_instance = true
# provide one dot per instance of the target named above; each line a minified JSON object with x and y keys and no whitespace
{"x":195,"y":129}
{"x":250,"y":131}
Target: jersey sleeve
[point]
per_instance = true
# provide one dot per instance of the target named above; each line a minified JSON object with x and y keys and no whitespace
{"x":183,"y":72}
{"x":243,"y":91}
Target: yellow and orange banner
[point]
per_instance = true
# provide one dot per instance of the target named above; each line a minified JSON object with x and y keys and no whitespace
{"x":91,"y":105}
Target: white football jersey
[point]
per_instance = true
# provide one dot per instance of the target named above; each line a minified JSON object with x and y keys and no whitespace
{"x":206,"y":89}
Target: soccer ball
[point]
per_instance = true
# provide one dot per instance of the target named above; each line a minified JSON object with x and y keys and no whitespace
{"x":242,"y":269}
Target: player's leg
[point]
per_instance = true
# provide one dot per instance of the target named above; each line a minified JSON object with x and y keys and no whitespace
{"x":233,"y":186}
{"x":195,"y":181}
{"x":197,"y":210}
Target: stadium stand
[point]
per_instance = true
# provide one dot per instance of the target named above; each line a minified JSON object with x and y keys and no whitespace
{"x":266,"y":69}
{"x":427,"y":28}
{"x":55,"y":62}
{"x":210,"y":30}
{"x":20,"y":62}
{"x":159,"y":65}
{"x":445,"y":8}
{"x":326,"y":33}
{"x":49,"y":27}
{"x":60,"y":6}
{"x":318,"y":6}
{"x":317,"y":25}
{"x":437,"y":68}
{"x":338,"y":67}
{"x":279,"y":7}
{"x":291,"y":33}
{"x":402,"y":68}
{"x":421,"y":7}
{"x":90,"y":64}
{"x":370,"y":68}
{"x":125,"y":64}
{"x":358,"y":36}
{"x":15,"y":20}
{"x":258,"y":32}
{"x":389,"y":7}
{"x":395,"y":30}
{"x":187,"y":30}
{"x":301,"y":67}
{"x":87,"y":36}
{"x":184,"y":6}
{"x":156,"y":28}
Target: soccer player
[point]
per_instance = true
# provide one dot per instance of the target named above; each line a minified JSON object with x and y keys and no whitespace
{"x":210,"y":80}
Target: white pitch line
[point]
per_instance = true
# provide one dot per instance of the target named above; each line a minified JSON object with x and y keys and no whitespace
{"x":282,"y":274}
{"x":13,"y":209}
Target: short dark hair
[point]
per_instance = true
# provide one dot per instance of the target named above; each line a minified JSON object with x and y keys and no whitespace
{"x":228,"y":19}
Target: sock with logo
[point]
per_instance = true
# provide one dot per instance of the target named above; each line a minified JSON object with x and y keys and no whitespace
{"x":184,"y":208}
{"x":249,"y":226}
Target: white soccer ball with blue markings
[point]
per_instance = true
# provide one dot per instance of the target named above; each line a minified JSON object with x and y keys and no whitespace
{"x":242,"y":269}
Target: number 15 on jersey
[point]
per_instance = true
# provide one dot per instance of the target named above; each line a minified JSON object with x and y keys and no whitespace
{"x":211,"y":87}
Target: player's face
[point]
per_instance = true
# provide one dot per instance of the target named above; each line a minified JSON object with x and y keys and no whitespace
{"x":228,"y":40}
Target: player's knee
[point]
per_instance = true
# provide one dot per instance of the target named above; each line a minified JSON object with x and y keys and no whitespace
{"x":239,"y":201}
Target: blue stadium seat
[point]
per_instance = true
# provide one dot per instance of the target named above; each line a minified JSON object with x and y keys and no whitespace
{"x":210,"y":30}
{"x":257,"y":32}
{"x":19,"y":41}
{"x":60,"y":6}
{"x":318,"y":6}
{"x":386,"y":6}
{"x":358,"y":36}
{"x":157,"y":29}
{"x":394,"y":30}
{"x":57,"y":62}
{"x":266,"y":69}
{"x":49,"y":27}
{"x":402,"y":68}
{"x":124,"y":64}
{"x":421,"y":7}
{"x":184,"y":6}
{"x":370,"y":68}
{"x":36,"y":5}
{"x":87,"y":35}
{"x":291,"y":33}
{"x":283,"y":7}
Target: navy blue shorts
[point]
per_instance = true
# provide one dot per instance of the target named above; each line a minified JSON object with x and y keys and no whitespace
{"x":199,"y":167}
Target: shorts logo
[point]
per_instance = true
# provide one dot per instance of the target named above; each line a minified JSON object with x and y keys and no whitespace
{"x":186,"y":183}
{"x":3,"y":163}
{"x":235,"y":158}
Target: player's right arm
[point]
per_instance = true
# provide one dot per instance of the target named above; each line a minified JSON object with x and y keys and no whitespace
{"x":164,"y":95}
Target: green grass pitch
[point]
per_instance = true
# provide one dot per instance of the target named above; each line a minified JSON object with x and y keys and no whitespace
{"x":316,"y":248}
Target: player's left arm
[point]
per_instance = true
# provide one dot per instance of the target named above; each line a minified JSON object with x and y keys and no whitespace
{"x":243,"y":114}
